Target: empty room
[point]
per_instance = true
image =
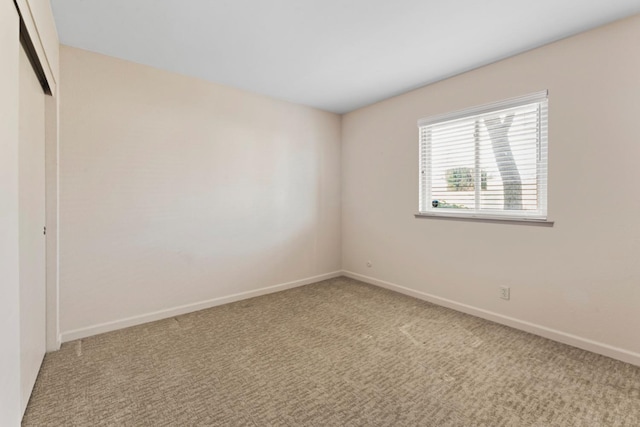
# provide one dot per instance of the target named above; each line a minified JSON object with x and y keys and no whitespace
{"x":319,"y":213}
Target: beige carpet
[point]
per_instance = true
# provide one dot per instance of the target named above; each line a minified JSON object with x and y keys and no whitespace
{"x":335,"y":353}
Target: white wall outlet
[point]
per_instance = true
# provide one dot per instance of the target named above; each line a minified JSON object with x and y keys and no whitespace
{"x":369,"y":264}
{"x":505,"y":292}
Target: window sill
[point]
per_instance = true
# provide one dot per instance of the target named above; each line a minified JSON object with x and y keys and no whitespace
{"x":494,"y":219}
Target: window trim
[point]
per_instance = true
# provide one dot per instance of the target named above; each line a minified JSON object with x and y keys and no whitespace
{"x":486,"y":218}
{"x":485,"y":108}
{"x":494,"y":216}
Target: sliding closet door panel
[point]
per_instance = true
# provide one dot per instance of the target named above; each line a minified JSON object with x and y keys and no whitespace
{"x":32,"y":219}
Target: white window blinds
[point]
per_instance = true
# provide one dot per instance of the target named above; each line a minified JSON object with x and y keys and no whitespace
{"x":487,"y":161}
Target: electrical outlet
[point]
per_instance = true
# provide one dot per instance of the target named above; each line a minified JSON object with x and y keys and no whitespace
{"x":369,"y":264}
{"x":505,"y":292}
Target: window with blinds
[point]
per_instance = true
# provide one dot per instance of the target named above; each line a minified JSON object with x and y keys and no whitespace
{"x":486,"y":162}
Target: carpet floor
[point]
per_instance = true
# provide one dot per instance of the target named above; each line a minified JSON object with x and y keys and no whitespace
{"x":335,"y":353}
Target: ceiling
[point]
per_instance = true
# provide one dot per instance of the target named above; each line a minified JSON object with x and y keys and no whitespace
{"x":337,"y":55}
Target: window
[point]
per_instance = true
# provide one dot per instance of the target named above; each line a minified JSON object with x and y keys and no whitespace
{"x":486,"y":162}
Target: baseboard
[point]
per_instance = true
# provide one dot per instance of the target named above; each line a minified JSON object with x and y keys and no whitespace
{"x":187,"y":308}
{"x":543,"y":331}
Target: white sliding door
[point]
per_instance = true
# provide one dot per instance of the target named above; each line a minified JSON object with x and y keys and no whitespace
{"x":31,"y":182}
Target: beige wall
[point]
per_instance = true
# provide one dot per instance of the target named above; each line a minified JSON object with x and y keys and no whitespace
{"x":579,"y":281}
{"x":177,"y":194}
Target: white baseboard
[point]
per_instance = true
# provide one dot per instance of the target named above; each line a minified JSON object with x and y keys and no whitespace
{"x":187,"y":308}
{"x":553,"y":334}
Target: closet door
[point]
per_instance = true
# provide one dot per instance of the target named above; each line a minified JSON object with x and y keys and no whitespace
{"x":32,"y":220}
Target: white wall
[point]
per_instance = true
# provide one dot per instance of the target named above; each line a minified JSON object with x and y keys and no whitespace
{"x":10,"y":414}
{"x":177,"y":194}
{"x":578,"y":281}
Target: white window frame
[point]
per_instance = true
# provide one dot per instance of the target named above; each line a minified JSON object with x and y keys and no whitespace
{"x":539,"y":215}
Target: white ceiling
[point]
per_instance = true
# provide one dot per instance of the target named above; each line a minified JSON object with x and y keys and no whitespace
{"x":337,"y":55}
